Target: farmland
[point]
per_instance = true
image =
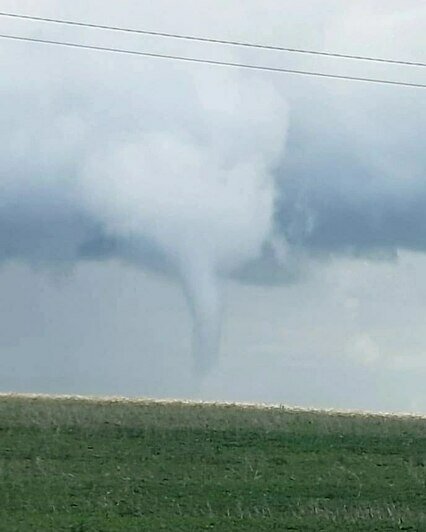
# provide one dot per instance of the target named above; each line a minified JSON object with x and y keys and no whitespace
{"x":109,"y":465}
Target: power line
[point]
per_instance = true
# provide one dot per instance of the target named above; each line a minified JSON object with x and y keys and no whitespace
{"x":212,"y":62}
{"x":214,"y":41}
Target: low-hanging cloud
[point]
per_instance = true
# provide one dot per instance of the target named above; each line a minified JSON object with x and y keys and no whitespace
{"x":204,"y":198}
{"x":181,"y":182}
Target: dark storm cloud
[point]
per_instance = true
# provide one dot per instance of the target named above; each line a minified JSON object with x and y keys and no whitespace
{"x":43,"y":230}
{"x":327,"y":221}
{"x":53,"y":232}
{"x":335,"y":199}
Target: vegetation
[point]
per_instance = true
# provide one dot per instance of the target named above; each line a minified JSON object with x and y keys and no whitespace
{"x":79,"y":465}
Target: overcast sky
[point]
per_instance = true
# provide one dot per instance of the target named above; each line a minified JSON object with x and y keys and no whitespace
{"x":269,"y":226}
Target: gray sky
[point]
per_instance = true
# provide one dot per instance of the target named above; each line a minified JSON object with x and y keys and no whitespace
{"x":140,"y":198}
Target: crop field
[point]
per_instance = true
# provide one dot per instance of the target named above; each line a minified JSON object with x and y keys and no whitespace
{"x":87,"y":465}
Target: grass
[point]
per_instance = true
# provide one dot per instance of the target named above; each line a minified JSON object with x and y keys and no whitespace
{"x":76,"y":465}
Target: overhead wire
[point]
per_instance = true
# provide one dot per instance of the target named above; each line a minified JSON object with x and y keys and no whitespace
{"x":213,"y":40}
{"x":213,"y":62}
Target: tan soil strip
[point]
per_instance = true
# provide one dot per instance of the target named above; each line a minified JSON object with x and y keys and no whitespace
{"x":248,"y":405}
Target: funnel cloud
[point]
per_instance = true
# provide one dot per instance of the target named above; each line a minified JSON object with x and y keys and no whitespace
{"x":205,"y":200}
{"x":279,"y":219}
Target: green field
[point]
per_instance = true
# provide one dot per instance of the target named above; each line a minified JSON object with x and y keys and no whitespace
{"x":69,"y":464}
